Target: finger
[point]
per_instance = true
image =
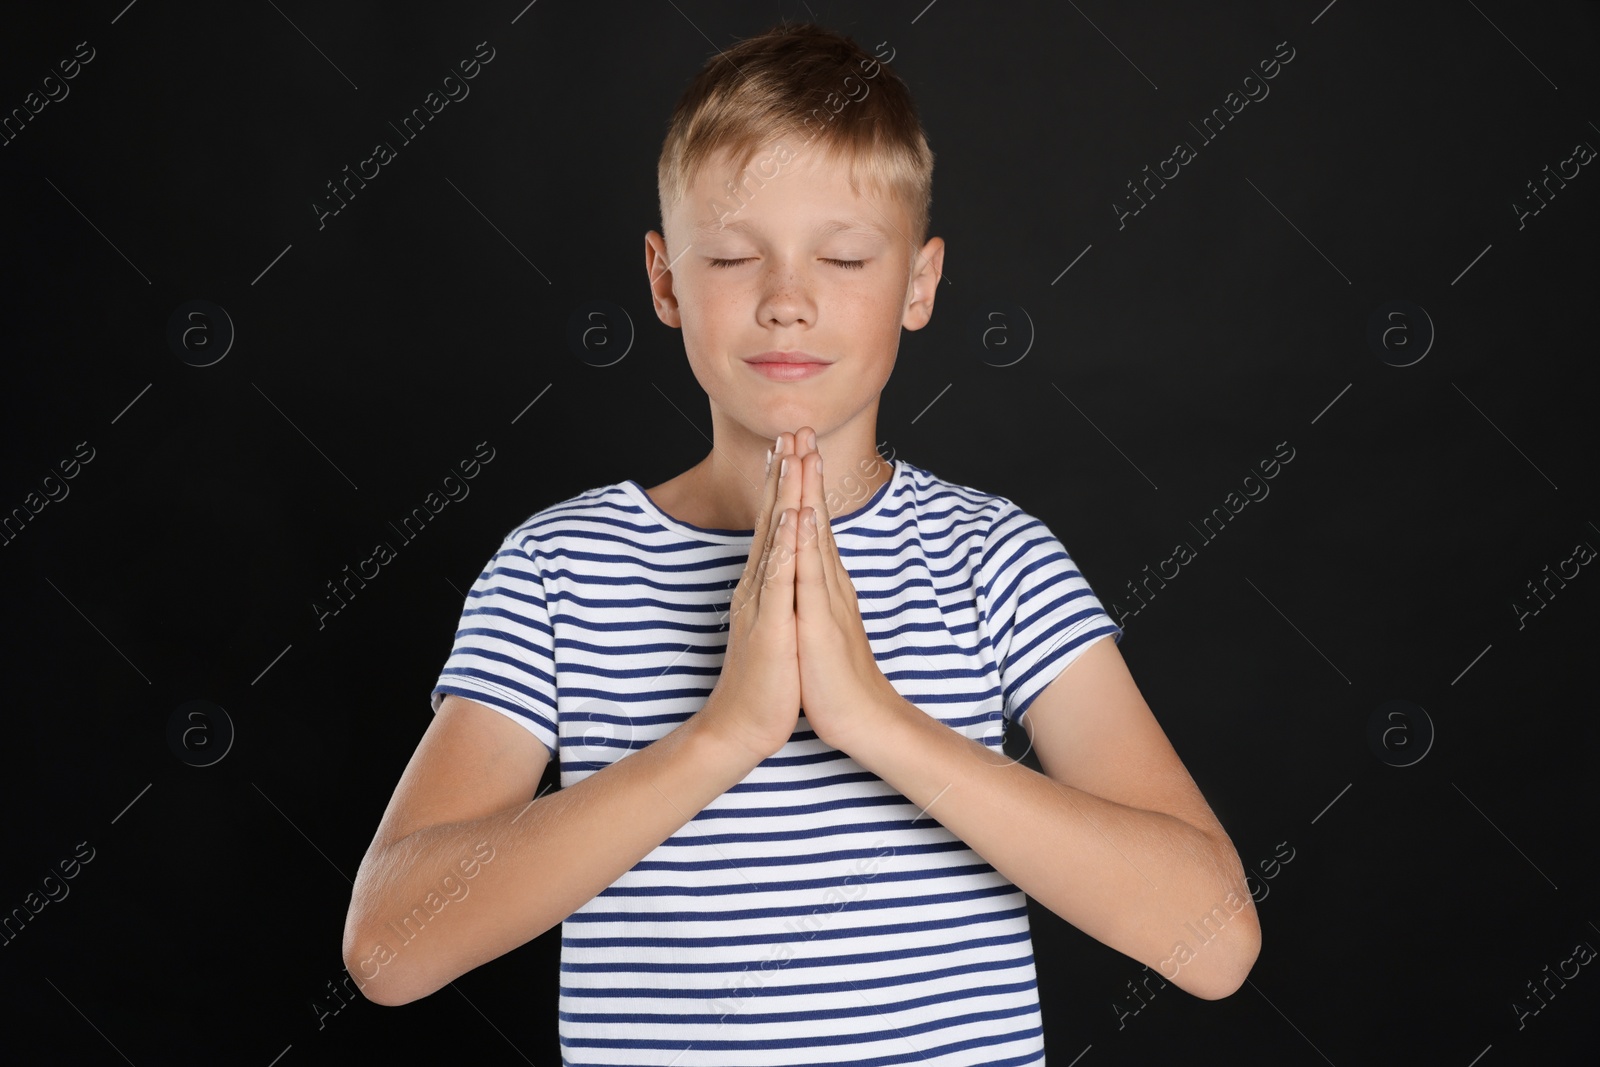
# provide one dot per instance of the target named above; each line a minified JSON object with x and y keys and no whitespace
{"x":789,"y":491}
{"x":782,"y":589}
{"x":811,"y":590}
{"x":794,"y":495}
{"x":789,"y":479}
{"x":830,"y":552}
{"x":816,"y":497}
{"x":780,"y":551}
{"x":755,"y":569}
{"x":766,"y":518}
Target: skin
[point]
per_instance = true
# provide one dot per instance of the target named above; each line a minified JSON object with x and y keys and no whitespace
{"x":1114,"y":837}
{"x":787,"y":293}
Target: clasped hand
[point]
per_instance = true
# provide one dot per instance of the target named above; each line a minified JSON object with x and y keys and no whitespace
{"x":796,"y":641}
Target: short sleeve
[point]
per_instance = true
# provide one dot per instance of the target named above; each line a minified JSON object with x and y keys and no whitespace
{"x":503,"y":656}
{"x":1041,"y":612}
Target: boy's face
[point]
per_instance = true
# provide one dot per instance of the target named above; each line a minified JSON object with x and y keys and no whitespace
{"x":790,"y":280}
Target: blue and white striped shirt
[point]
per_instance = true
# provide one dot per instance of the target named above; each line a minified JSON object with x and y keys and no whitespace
{"x":810,"y":914}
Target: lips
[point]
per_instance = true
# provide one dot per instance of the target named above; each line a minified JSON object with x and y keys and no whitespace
{"x":797,"y":358}
{"x":786,"y":367}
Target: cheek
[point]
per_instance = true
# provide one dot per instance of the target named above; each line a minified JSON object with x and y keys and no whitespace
{"x":708,"y":322}
{"x":885,"y":316}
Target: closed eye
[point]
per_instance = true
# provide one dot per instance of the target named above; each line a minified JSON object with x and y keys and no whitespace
{"x":847,"y":264}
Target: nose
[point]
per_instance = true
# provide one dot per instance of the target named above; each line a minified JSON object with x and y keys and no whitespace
{"x":785,"y":296}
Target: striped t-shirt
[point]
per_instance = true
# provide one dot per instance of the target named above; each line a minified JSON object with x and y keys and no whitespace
{"x":810,"y":914}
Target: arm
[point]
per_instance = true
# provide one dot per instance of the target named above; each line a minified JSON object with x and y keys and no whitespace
{"x":1115,"y":837}
{"x":465,"y":792}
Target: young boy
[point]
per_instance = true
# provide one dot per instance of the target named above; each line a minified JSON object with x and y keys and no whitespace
{"x":778,"y":683}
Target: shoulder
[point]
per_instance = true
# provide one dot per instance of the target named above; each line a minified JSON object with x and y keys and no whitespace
{"x":950,"y":502}
{"x":607,"y":510}
{"x":992,"y":520}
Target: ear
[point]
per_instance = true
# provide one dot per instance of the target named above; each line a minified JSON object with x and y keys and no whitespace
{"x":655,"y":265}
{"x":924,"y":284}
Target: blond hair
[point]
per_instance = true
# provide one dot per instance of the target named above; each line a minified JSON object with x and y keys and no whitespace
{"x":807,"y":82}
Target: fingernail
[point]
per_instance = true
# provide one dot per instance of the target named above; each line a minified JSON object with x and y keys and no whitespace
{"x":769,"y":459}
{"x":784,"y":517}
{"x":783,"y":468}
{"x":819,"y":464}
{"x":777,"y":443}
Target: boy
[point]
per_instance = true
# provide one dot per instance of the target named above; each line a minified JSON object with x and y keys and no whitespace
{"x":778,"y":686}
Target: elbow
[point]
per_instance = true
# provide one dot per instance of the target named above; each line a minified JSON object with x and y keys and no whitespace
{"x":1228,"y":969}
{"x":371,"y":963}
{"x":374,"y":987}
{"x":371,"y":949}
{"x":361,"y":966}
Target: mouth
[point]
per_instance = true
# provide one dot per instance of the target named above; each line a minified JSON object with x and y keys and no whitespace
{"x":786,"y":366}
{"x":789,"y":359}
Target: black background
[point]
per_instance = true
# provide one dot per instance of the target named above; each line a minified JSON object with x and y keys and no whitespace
{"x":1180,"y":349}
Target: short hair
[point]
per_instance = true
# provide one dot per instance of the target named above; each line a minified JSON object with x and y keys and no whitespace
{"x":813,"y":83}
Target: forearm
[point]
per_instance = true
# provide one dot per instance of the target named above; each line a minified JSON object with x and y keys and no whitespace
{"x":549,"y":858}
{"x":1139,"y":881}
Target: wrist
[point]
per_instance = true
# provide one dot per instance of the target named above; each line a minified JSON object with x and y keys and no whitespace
{"x":720,"y":743}
{"x":879,"y":727}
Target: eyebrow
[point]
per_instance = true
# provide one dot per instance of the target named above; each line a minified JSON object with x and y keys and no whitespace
{"x":851,"y":227}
